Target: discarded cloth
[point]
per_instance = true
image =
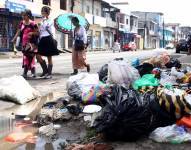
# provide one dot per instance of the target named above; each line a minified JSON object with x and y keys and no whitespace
{"x":173,"y":101}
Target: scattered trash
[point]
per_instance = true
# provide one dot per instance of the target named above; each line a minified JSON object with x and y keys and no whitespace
{"x":172,"y":134}
{"x":48,"y":133}
{"x":91,"y":109}
{"x":120,"y":72}
{"x":17,"y":89}
{"x":147,"y":80}
{"x":74,"y":109}
{"x":184,"y":121}
{"x":127,"y":116}
{"x":103,"y":73}
{"x":173,"y":63}
{"x":20,"y":137}
{"x":90,"y":146}
{"x":145,"y":68}
{"x":172,"y":100}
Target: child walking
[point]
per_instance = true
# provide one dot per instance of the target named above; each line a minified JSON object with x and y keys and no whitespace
{"x":28,"y":32}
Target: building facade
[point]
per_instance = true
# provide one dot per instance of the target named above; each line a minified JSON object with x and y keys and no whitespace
{"x":149,"y":27}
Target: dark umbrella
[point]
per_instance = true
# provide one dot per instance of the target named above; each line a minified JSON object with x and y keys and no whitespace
{"x":63,"y":22}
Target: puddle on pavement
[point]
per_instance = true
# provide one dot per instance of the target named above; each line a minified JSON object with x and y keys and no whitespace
{"x":31,"y":109}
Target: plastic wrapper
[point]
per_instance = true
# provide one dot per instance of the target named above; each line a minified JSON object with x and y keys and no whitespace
{"x":103,"y":73}
{"x":120,"y":72}
{"x":171,"y":134}
{"x":17,"y":89}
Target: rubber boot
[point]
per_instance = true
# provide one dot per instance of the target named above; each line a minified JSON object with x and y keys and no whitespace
{"x":88,"y":67}
{"x":75,"y":72}
{"x":44,"y":68}
{"x":49,"y":75}
{"x":33,"y":71}
{"x":25,"y":72}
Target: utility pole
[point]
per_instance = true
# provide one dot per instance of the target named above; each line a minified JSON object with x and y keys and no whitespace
{"x":145,"y":32}
{"x":163,"y":34}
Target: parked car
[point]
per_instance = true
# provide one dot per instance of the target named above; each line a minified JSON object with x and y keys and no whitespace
{"x":131,"y":46}
{"x":169,"y":46}
{"x":182,"y":46}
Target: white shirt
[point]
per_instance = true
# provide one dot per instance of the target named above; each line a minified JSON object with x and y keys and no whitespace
{"x":81,"y":34}
{"x":45,"y":24}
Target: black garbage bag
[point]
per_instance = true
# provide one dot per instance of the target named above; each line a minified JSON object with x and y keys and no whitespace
{"x":128,"y":116}
{"x":75,"y":91}
{"x":103,"y":73}
{"x":145,"y":68}
{"x":173,"y":63}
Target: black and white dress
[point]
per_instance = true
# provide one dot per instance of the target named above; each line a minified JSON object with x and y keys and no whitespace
{"x":46,"y":46}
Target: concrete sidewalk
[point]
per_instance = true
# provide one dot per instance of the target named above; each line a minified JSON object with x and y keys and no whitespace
{"x":6,"y":55}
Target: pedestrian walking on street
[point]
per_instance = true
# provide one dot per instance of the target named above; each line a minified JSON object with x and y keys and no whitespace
{"x":28,"y":33}
{"x":46,"y":46}
{"x":79,"y":47}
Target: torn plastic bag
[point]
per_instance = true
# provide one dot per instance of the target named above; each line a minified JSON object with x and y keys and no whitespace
{"x":120,"y":72}
{"x":103,"y":73}
{"x":173,"y":63}
{"x":128,"y":116}
{"x":172,"y":134}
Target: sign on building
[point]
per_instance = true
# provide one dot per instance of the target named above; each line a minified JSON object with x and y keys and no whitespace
{"x":15,"y":7}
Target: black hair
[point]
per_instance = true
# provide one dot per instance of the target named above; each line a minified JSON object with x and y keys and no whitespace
{"x":27,"y":12}
{"x":46,"y":9}
{"x":75,"y":19}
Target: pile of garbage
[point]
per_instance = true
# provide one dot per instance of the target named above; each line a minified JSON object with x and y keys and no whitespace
{"x":138,"y":99}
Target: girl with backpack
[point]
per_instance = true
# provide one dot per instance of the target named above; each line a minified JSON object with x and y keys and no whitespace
{"x":28,"y":32}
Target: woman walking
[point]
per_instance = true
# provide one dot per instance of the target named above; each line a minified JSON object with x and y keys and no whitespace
{"x":80,"y":44}
{"x":28,"y":32}
{"x":46,"y":45}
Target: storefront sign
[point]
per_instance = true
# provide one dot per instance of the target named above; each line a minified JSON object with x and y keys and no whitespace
{"x":15,"y":7}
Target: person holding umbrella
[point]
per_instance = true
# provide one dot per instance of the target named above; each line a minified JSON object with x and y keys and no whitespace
{"x":46,"y":45}
{"x":79,"y":46}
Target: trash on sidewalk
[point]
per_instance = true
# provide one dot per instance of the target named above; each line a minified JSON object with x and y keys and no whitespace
{"x":20,"y":137}
{"x":17,"y":89}
{"x":147,"y":80}
{"x":91,"y":109}
{"x":120,"y":72}
{"x":127,"y":116}
{"x":90,"y":146}
{"x":184,"y":121}
{"x":86,"y":88}
{"x":171,"y":134}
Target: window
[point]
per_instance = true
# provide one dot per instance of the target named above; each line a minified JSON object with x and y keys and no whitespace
{"x":127,"y":21}
{"x":46,"y":2}
{"x":88,"y":9}
{"x":63,"y":4}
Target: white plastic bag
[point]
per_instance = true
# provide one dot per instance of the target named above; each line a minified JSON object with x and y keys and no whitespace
{"x":172,"y":134}
{"x":120,"y":72}
{"x":17,"y":89}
